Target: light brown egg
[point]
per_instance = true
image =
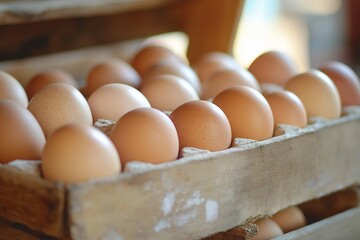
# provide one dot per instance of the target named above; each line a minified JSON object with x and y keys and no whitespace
{"x":203,"y":125}
{"x":212,"y":62}
{"x":287,"y":108}
{"x":224,"y":79}
{"x":59,"y":104}
{"x":317,"y":92}
{"x":268,"y":229}
{"x":21,"y":135}
{"x":248,"y":112}
{"x":78,"y":153}
{"x":346,"y":81}
{"x":47,"y":77}
{"x":11,"y":89}
{"x":112,"y":101}
{"x":146,"y":135}
{"x":181,"y":70}
{"x":111,"y":71}
{"x":167,"y":92}
{"x":290,"y":219}
{"x":273,"y":67}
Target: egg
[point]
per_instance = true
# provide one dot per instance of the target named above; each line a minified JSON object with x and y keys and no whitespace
{"x":59,"y":104}
{"x":145,"y":135}
{"x":317,"y":92}
{"x":346,"y":81}
{"x":212,"y":62}
{"x":268,"y":229}
{"x":287,"y":108}
{"x":111,"y":71}
{"x":273,"y":67}
{"x":77,"y":153}
{"x":112,"y":101}
{"x":167,"y":92}
{"x":248,"y":112}
{"x":203,"y":125}
{"x":224,"y":79}
{"x":46,"y":77}
{"x":21,"y":135}
{"x":11,"y":89}
{"x":290,"y":219}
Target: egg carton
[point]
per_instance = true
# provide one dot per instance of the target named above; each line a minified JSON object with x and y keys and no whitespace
{"x":195,"y":196}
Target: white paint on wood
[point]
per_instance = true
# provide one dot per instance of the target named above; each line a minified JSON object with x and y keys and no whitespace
{"x":212,"y":210}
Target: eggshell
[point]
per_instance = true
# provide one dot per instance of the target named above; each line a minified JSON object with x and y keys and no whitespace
{"x":112,"y":101}
{"x":287,"y":108}
{"x":47,"y":77}
{"x":248,"y":112}
{"x":11,"y":89}
{"x":203,"y":125}
{"x":346,"y":81}
{"x":20,"y":134}
{"x":111,"y":71}
{"x":268,"y":229}
{"x":317,"y":92}
{"x":58,"y":104}
{"x":167,"y":92}
{"x":145,"y":135}
{"x":273,"y":67}
{"x":290,"y":219}
{"x":76,"y":153}
{"x":224,"y":79}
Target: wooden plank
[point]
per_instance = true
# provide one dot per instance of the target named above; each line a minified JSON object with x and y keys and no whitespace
{"x":207,"y":193}
{"x":32,"y":201}
{"x":344,"y":225}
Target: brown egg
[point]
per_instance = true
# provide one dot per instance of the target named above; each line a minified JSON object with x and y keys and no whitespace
{"x":59,"y":104}
{"x":287,"y":108}
{"x":248,"y":112}
{"x":346,"y":81}
{"x":44,"y":78}
{"x":151,"y":55}
{"x":167,"y":92}
{"x":273,"y":67}
{"x":111,"y":71}
{"x":21,"y":135}
{"x":290,"y":219}
{"x":11,"y":89}
{"x":112,"y":101}
{"x":203,"y":125}
{"x":78,"y":153}
{"x":146,"y":135}
{"x":181,"y":70}
{"x":317,"y":92}
{"x":224,"y":79}
{"x":268,"y":229}
{"x":212,"y":62}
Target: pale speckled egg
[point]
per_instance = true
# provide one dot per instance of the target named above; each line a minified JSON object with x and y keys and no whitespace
{"x":112,"y":101}
{"x":203,"y":125}
{"x":224,"y":79}
{"x":273,"y":67}
{"x":346,"y":81}
{"x":145,"y":135}
{"x":11,"y":89}
{"x":317,"y":92}
{"x":47,"y":77}
{"x":167,"y":92}
{"x":59,"y":104}
{"x":21,"y":135}
{"x":287,"y":108}
{"x":268,"y":229}
{"x":290,"y":219}
{"x":248,"y":112}
{"x":77,"y":153}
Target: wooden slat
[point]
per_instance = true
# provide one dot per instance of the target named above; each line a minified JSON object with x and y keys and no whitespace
{"x":207,"y":193}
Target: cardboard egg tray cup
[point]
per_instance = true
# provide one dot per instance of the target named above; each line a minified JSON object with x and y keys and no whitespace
{"x":196,"y":196}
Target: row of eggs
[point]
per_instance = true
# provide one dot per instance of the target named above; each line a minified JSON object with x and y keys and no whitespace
{"x":56,"y":125}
